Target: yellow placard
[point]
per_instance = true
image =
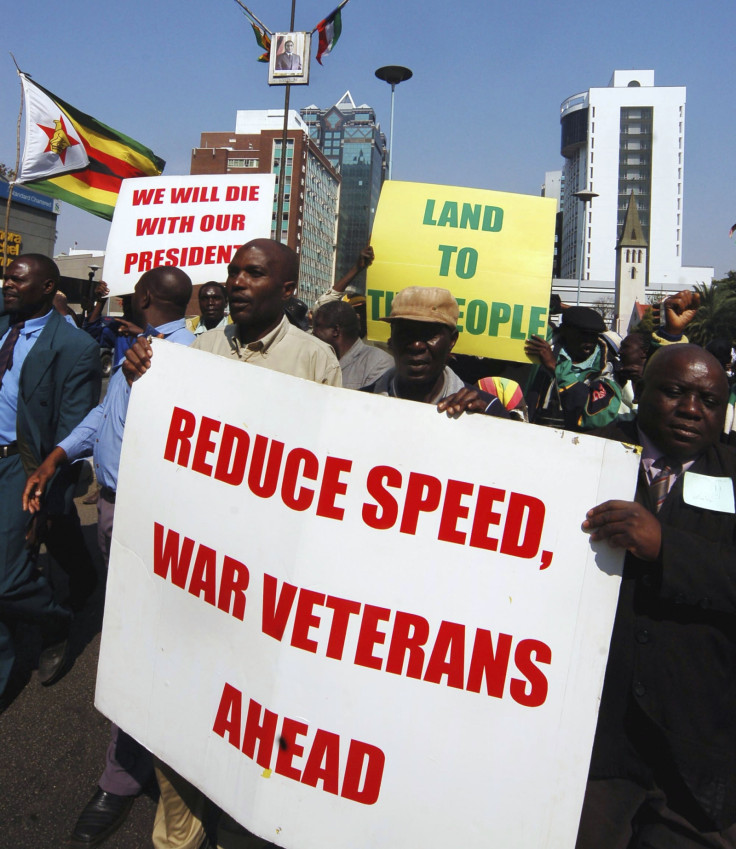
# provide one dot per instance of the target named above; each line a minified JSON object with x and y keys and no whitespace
{"x":492,"y":250}
{"x":9,"y":247}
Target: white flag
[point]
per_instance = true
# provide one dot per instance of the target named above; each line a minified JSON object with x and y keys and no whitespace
{"x":52,"y":144}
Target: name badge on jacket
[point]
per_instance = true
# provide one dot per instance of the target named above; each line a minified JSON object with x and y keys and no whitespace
{"x":708,"y":492}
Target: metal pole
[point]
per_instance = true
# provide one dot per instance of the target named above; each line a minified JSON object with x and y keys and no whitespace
{"x":282,"y":167}
{"x":585,"y":196}
{"x":393,"y":75}
{"x":17,"y":166}
{"x":581,"y":264}
{"x":391,"y":134}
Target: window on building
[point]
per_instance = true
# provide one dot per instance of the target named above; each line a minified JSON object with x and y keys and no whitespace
{"x":242,"y":163}
{"x":635,"y":168}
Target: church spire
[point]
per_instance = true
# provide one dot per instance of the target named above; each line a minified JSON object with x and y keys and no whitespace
{"x":632,"y":235}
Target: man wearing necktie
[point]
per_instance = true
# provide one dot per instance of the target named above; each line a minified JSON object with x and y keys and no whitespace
{"x":288,"y":60}
{"x":663,"y":770}
{"x":158,"y":305}
{"x":49,"y":380}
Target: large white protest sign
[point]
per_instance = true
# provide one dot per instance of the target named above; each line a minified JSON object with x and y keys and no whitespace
{"x":193,"y":222}
{"x":352,"y":621}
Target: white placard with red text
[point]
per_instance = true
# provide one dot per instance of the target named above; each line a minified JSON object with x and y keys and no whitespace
{"x":193,"y":222}
{"x":352,"y":621}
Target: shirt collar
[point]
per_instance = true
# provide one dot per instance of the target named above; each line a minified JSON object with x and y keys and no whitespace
{"x":352,"y":352}
{"x":650,"y":453}
{"x":450,"y":383}
{"x":171,"y":326}
{"x":265,"y":343}
{"x":36,"y":325}
{"x":589,"y":363}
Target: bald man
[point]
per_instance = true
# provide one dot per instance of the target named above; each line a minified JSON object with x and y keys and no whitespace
{"x":158,"y":304}
{"x":663,"y":771}
{"x":49,"y":380}
{"x":262,"y":278}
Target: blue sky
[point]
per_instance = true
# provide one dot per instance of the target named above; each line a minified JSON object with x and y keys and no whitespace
{"x":482,"y":109}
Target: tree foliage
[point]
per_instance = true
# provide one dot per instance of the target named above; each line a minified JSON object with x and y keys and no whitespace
{"x":716,"y":316}
{"x":646,"y":325}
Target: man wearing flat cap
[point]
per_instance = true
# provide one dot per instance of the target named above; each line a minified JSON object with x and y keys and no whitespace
{"x":423,"y":323}
{"x":574,"y":387}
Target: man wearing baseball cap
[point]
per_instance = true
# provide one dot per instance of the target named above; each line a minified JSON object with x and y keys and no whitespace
{"x":423,"y":323}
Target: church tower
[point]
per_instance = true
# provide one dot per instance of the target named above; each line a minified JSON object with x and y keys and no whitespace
{"x":632,"y":268}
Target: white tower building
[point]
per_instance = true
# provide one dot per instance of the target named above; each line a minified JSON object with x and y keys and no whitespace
{"x":627,"y":137}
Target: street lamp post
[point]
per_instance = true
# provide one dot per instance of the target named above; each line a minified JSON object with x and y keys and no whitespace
{"x":284,"y":148}
{"x":93,"y":269}
{"x":586,"y":196}
{"x":393,"y":75}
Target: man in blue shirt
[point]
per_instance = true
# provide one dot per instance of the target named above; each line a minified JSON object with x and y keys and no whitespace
{"x":158,"y":304}
{"x":49,"y":380}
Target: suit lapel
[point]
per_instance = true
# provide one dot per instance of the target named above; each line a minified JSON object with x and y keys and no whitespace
{"x":40,"y":357}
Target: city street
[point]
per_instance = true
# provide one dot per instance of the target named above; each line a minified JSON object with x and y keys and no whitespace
{"x":53,"y":741}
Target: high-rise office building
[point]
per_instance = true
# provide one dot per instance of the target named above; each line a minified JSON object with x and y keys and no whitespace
{"x":627,"y":137}
{"x":351,"y":139}
{"x":311,"y":186}
{"x":554,"y":187}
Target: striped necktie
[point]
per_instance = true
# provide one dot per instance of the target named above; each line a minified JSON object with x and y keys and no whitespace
{"x":6,"y":352}
{"x":663,"y":481}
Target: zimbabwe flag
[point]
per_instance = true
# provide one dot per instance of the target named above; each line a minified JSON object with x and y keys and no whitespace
{"x":76,"y":158}
{"x":264,"y":42}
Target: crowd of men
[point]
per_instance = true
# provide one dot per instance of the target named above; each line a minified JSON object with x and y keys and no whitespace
{"x":663,"y":769}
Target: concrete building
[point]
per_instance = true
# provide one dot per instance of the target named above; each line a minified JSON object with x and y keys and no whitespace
{"x":627,"y":137}
{"x":81,"y":270}
{"x":82,"y":264}
{"x":554,"y":187}
{"x":311,"y":189}
{"x":351,"y":139}
{"x":32,"y":223}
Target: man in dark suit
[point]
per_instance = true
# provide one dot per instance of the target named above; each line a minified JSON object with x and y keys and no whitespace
{"x":288,"y":60}
{"x":663,"y":770}
{"x":49,"y":380}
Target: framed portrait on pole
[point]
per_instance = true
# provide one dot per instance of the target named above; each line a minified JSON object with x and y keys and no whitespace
{"x":289,"y":59}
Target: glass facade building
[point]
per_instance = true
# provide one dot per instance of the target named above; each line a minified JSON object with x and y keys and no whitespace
{"x":352,"y":141}
{"x":635,"y":164}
